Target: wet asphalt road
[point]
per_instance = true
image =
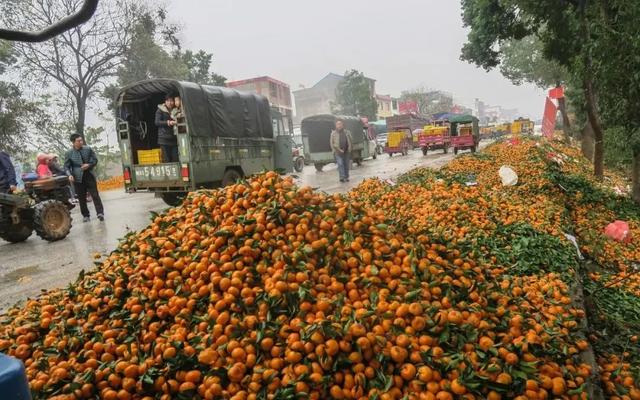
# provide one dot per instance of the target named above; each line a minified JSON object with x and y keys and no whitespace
{"x":27,"y":268}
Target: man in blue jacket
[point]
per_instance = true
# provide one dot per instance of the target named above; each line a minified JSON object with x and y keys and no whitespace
{"x":80,"y":161}
{"x":8,"y":182}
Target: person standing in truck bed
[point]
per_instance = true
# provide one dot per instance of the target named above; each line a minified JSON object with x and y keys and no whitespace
{"x":167,"y":139}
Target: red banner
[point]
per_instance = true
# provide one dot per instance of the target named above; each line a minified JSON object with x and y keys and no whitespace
{"x":549,"y":118}
{"x":407,"y":107}
{"x":556,"y":93}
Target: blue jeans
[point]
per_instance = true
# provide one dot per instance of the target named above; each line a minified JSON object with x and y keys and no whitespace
{"x":343,"y":161}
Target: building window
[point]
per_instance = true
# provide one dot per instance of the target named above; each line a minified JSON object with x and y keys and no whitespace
{"x":273,"y":90}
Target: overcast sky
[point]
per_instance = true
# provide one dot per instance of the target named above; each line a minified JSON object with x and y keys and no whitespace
{"x":402,"y":44}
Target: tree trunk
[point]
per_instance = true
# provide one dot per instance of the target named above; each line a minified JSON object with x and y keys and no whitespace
{"x":566,"y":124}
{"x":592,"y":109}
{"x":594,"y":121}
{"x":586,"y":142}
{"x":635,"y":177}
{"x":81,"y":105}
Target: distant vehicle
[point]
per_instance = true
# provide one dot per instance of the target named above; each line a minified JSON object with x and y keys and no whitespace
{"x":407,"y":121}
{"x":316,"y":132}
{"x":436,"y":136}
{"x":399,"y":141}
{"x":465,"y":133}
{"x":224,"y":135}
{"x":522,"y":125}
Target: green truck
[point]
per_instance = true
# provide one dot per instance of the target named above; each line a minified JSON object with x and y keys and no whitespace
{"x":316,"y":131}
{"x":223,"y":135}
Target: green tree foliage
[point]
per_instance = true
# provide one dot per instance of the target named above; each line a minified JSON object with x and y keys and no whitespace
{"x":429,"y":101}
{"x":14,"y":112}
{"x":616,"y":69}
{"x":198,"y":67}
{"x":156,"y":52}
{"x":78,"y":62}
{"x":523,"y":61}
{"x":564,"y":31}
{"x":355,"y":96}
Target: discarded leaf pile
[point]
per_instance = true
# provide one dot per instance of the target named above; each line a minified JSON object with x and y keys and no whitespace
{"x":445,"y":285}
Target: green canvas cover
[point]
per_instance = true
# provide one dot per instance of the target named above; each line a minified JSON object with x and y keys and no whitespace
{"x":210,"y":110}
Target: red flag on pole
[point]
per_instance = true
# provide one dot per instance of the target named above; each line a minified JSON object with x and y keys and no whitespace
{"x":549,"y":118}
{"x":556,"y":93}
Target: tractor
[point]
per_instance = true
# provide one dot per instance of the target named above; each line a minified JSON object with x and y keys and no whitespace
{"x":44,"y":206}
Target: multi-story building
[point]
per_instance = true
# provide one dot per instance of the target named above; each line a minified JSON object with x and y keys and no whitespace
{"x":278,"y":93}
{"x":318,"y":98}
{"x":385,"y":105}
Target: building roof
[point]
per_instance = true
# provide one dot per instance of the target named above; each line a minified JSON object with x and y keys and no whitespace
{"x":257,"y":79}
{"x":330,"y":75}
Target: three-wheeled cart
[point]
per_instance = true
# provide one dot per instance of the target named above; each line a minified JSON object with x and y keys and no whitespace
{"x":465,"y":133}
{"x":435,"y":137}
{"x":399,"y":141}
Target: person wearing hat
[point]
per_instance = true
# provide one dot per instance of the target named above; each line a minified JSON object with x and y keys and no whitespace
{"x":42,"y":169}
{"x":167,"y":139}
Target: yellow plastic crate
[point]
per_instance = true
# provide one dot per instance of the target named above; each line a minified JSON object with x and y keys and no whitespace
{"x":147,"y":157}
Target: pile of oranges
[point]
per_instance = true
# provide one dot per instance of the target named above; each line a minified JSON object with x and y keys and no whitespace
{"x":116,"y":182}
{"x":266,"y":290}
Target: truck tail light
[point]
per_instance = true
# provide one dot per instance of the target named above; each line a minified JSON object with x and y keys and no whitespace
{"x":127,"y":175}
{"x":184,"y":172}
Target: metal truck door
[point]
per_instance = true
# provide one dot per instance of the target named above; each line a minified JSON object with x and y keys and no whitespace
{"x":283,"y":154}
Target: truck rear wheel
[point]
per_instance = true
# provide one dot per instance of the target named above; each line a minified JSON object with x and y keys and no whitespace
{"x":318,"y":167}
{"x":173,"y":199}
{"x":231,"y":176}
{"x":52,"y":220}
{"x":425,"y":150}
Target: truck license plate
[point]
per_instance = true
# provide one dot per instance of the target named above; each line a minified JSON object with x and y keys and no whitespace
{"x":159,"y":172}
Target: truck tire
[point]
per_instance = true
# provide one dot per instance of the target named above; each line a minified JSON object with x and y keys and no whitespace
{"x":298,"y":164}
{"x":455,"y":150}
{"x":52,"y":220}
{"x":173,"y":199}
{"x":446,"y":149}
{"x":425,"y":150}
{"x":231,"y":176}
{"x":473,"y":149}
{"x":318,"y":167}
{"x":358,"y":161}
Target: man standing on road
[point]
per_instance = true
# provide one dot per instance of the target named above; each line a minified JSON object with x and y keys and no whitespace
{"x":80,"y":161}
{"x":8,"y":182}
{"x":341,"y":144}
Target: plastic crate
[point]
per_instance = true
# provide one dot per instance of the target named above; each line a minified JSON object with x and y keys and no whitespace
{"x":147,"y":157}
{"x":13,"y":380}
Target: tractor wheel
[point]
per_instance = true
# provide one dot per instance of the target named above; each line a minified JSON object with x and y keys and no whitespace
{"x":52,"y":220}
{"x":14,"y":233}
{"x":473,"y":149}
{"x":390,"y":155}
{"x":298,"y":164}
{"x":358,"y":161}
{"x":446,"y":149}
{"x":173,"y":199}
{"x":425,"y":150}
{"x":318,"y":167}
{"x":231,"y":176}
{"x":455,"y":150}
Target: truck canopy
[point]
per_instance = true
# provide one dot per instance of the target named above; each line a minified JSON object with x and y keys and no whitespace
{"x":318,"y":129}
{"x":210,"y":110}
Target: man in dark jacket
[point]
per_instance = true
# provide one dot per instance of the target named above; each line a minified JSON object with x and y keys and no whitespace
{"x":166,"y":137}
{"x":80,"y":161}
{"x":8,"y":181}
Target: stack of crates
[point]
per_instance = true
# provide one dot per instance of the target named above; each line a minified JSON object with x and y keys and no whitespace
{"x":148,"y":157}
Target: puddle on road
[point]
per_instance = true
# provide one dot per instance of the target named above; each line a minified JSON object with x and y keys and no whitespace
{"x":21,"y":275}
